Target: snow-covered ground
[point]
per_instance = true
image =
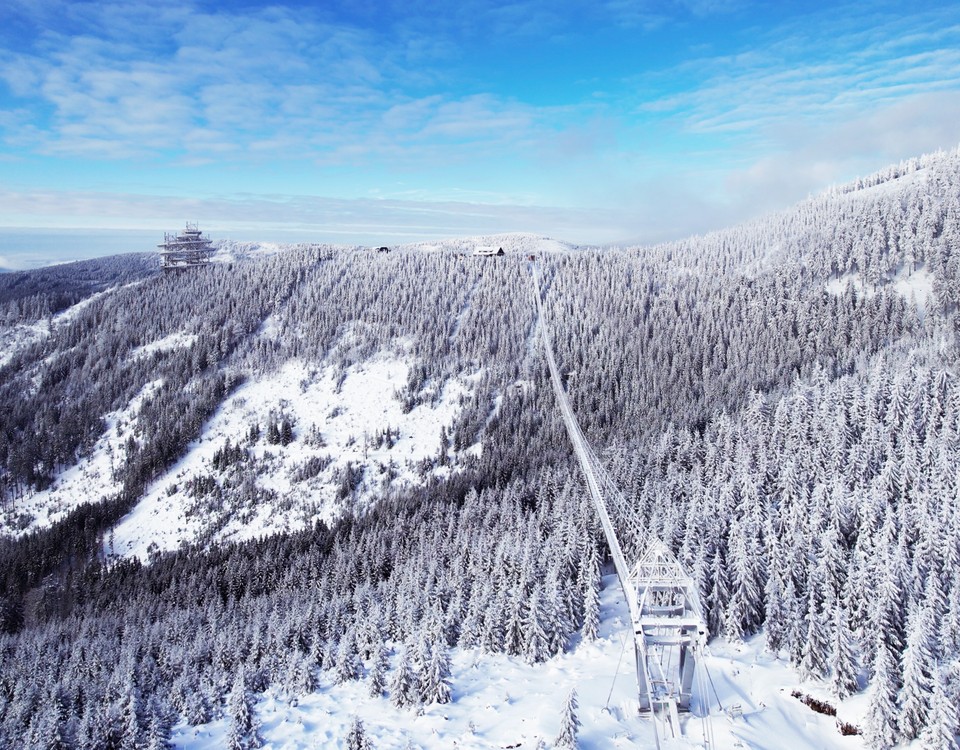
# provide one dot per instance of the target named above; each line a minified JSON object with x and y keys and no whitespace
{"x":90,"y":480}
{"x":915,"y":286}
{"x":229,"y":251}
{"x":337,"y":417}
{"x":887,"y":187}
{"x":502,"y":702}
{"x":514,"y":243}
{"x":18,"y":337}
{"x":333,"y":419}
{"x":178,"y":340}
{"x":521,"y":243}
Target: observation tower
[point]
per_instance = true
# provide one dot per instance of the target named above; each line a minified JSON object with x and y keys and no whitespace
{"x":185,"y":249}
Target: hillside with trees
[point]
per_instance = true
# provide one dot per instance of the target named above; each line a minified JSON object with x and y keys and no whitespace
{"x":778,"y":401}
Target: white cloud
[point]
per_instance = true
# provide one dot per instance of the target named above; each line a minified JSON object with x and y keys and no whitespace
{"x":840,"y":60}
{"x":272,"y":84}
{"x":843,"y":91}
{"x":260,"y":217}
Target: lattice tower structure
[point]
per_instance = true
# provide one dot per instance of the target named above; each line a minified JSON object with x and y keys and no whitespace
{"x":185,"y":249}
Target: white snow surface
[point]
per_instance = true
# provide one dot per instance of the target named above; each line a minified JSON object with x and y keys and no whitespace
{"x":521,"y":243}
{"x":228,"y":251}
{"x":178,"y":340}
{"x":885,"y":188}
{"x":914,"y":286}
{"x":347,"y":416}
{"x":90,"y":480}
{"x":502,"y":702}
{"x":18,"y":337}
{"x":517,"y":243}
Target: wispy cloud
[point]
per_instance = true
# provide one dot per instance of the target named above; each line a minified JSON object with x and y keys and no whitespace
{"x":840,"y":60}
{"x":263,"y":217}
{"x":363,"y":98}
{"x":274,"y":84}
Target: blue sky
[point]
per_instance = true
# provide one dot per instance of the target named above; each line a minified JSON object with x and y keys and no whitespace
{"x":596,"y":121}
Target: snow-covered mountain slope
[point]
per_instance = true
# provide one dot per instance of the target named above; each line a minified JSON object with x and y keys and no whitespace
{"x":19,"y":336}
{"x":274,"y":475}
{"x":350,"y":441}
{"x":358,"y":430}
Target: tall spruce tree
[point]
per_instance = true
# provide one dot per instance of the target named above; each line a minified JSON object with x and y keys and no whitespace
{"x":569,"y":724}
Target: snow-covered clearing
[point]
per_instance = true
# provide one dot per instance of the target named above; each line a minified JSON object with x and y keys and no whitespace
{"x":502,"y":702}
{"x":338,"y":422}
{"x":178,"y":340}
{"x":90,"y":480}
{"x":18,"y":337}
{"x":229,"y":251}
{"x":887,"y":187}
{"x":916,"y":286}
{"x":515,"y":243}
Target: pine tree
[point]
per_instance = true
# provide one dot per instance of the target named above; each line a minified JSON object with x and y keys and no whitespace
{"x":300,"y":678}
{"x":918,"y":668}
{"x":591,"y":608}
{"x":776,"y":628}
{"x":403,"y":685}
{"x":131,"y":718}
{"x":557,"y":624}
{"x":794,"y":622}
{"x":438,"y":675}
{"x":286,"y":432}
{"x":378,"y":670}
{"x":744,"y":610}
{"x":158,"y":733}
{"x":356,"y":738}
{"x":942,"y":724}
{"x":420,"y":662}
{"x":881,"y":729}
{"x":719,"y":592}
{"x":347,"y":664}
{"x":537,"y":647}
{"x":244,"y":732}
{"x":813,"y":663}
{"x":513,"y":636}
{"x":569,"y":724}
{"x":843,"y":681}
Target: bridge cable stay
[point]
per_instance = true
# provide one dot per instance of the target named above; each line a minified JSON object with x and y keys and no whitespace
{"x":668,"y":626}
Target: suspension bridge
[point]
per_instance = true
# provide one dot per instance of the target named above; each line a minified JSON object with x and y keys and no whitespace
{"x":669,"y":633}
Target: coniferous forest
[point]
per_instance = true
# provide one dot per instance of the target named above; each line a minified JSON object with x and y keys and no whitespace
{"x":779,"y":402}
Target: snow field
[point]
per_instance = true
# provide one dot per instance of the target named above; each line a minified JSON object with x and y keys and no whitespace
{"x":178,"y":340}
{"x":91,"y":479}
{"x":500,"y":701}
{"x":18,"y":337}
{"x":915,"y":287}
{"x":347,"y":413}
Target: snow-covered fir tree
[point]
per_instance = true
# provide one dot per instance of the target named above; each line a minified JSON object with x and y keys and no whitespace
{"x":569,"y":724}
